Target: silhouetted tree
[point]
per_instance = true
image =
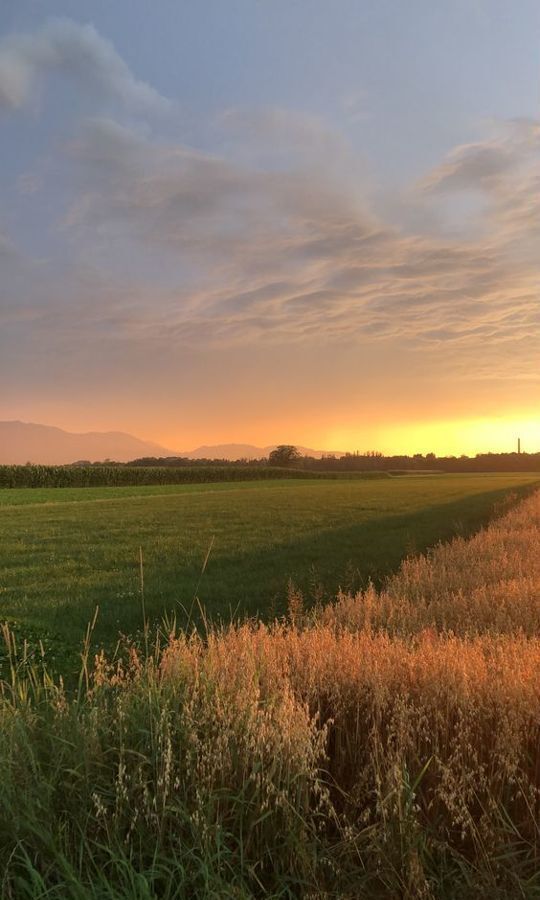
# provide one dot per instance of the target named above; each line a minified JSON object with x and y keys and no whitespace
{"x":284,"y":455}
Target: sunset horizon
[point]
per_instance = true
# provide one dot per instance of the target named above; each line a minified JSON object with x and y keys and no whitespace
{"x":310,"y":226}
{"x":454,"y":438}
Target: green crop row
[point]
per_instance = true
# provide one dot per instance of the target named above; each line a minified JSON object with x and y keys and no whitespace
{"x":115,"y":476}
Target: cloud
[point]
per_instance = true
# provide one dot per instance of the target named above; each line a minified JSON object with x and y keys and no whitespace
{"x":488,"y":165}
{"x":186,"y":200}
{"x":79,"y":52}
{"x":288,"y":256}
{"x":174,"y":248}
{"x":472,"y":166}
{"x":283,"y":138}
{"x":505,"y":171}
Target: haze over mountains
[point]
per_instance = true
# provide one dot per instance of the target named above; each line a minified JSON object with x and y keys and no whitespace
{"x":22,"y":442}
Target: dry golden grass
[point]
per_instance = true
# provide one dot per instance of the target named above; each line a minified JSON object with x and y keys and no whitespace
{"x":488,"y":583}
{"x":458,"y":717}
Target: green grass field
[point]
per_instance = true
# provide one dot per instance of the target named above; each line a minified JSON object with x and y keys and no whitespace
{"x":65,"y":551}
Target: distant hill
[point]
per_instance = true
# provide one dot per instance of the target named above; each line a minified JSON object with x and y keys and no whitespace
{"x":245,"y":451}
{"x":22,"y":442}
{"x":225,"y":451}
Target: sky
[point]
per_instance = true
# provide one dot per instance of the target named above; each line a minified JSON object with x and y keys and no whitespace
{"x":270,"y":221}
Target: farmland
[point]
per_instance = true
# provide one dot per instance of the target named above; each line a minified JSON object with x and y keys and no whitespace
{"x":117,"y":476}
{"x":66,"y":551}
{"x":385,"y":745}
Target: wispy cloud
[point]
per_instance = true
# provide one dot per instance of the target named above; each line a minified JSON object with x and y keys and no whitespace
{"x":506,"y":170}
{"x":79,"y":52}
{"x":271,"y":240}
{"x":288,"y":256}
{"x":487,"y":165}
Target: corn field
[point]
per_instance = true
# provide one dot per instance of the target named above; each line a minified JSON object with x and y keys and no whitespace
{"x":115,"y":476}
{"x":34,"y":476}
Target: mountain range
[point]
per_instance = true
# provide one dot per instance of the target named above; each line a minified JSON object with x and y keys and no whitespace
{"x":22,"y":442}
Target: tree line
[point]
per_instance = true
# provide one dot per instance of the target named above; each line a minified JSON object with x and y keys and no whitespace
{"x":288,"y":456}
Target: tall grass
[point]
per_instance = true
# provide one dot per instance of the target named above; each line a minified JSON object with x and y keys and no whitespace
{"x":357,"y":753}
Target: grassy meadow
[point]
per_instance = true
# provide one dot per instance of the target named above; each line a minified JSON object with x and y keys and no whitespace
{"x":224,"y":549}
{"x":386,"y":745}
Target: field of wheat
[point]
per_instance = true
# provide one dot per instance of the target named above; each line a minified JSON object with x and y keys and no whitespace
{"x":387,"y":746}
